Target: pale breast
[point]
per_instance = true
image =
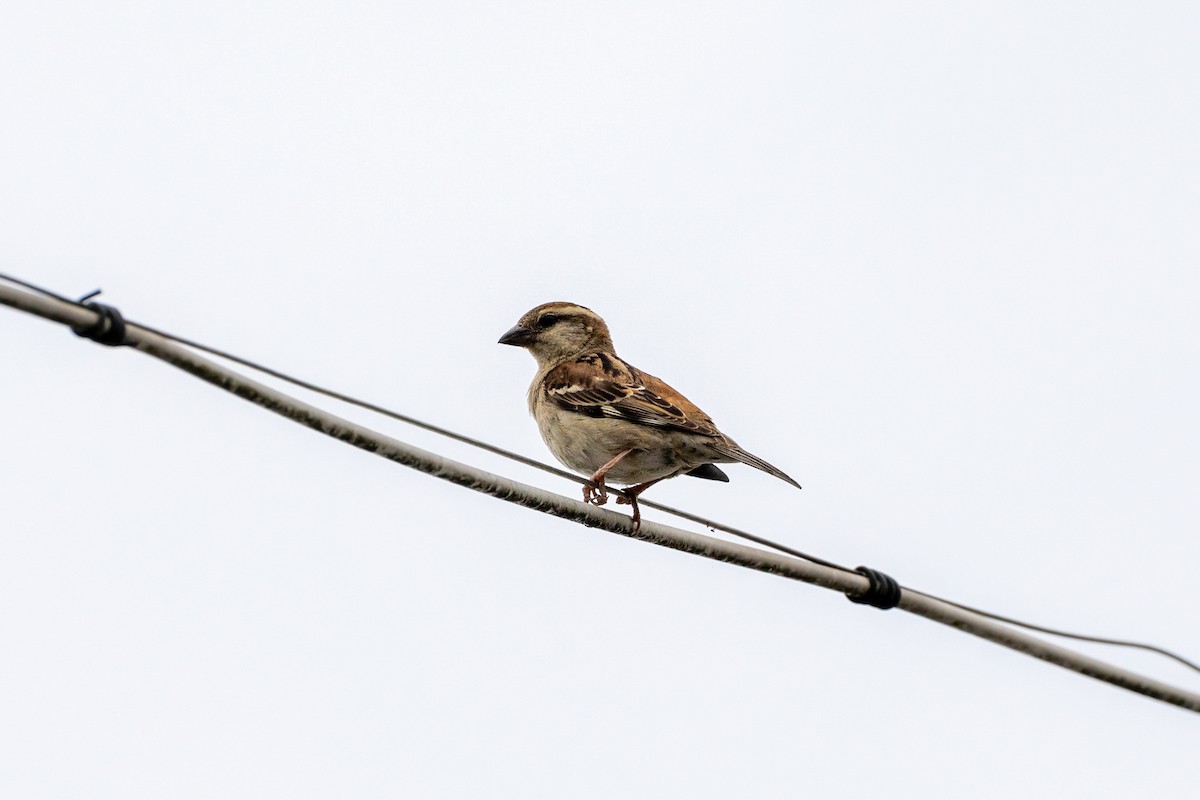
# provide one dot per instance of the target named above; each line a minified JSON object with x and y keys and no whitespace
{"x":584,"y":444}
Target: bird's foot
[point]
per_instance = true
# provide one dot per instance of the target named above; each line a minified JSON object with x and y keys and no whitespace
{"x":631,"y":500}
{"x":596,"y":495}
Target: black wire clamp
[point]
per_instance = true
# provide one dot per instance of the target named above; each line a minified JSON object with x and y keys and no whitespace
{"x":108,"y":329}
{"x":884,"y":591}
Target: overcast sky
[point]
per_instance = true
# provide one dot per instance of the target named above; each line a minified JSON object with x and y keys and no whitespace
{"x":937,"y":261}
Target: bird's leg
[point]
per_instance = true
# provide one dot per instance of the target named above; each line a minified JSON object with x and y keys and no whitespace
{"x":630,"y":498}
{"x":596,"y":494}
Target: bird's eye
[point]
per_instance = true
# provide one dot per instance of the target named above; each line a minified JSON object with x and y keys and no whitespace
{"x":546,"y":320}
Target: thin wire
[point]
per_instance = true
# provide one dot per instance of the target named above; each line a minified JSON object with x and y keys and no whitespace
{"x":1065,"y":634}
{"x":529,"y":462}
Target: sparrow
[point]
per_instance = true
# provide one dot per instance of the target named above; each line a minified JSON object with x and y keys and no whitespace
{"x":605,"y":418}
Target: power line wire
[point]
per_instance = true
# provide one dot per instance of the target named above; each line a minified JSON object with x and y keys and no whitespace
{"x":529,"y":462}
{"x":82,"y":315}
{"x":516,"y":457}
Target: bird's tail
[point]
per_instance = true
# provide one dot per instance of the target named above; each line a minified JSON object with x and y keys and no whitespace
{"x":738,"y":454}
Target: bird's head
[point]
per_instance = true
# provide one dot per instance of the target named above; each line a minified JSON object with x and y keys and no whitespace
{"x":554,"y":332}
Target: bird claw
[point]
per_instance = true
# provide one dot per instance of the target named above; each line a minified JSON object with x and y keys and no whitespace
{"x":595,"y":495}
{"x":631,"y":500}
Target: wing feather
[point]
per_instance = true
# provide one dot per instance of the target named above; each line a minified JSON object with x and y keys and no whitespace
{"x":604,"y":385}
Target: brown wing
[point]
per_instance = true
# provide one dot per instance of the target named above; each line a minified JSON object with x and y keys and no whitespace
{"x":602,"y":385}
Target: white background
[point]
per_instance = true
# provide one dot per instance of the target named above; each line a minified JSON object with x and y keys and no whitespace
{"x":936,"y":261}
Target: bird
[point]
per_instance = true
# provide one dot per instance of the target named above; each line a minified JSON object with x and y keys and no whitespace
{"x":603,"y":417}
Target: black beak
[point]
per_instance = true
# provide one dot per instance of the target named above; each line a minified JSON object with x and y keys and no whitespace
{"x":517,"y":336}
